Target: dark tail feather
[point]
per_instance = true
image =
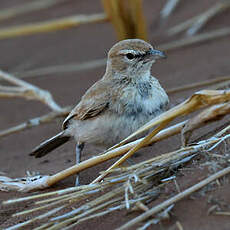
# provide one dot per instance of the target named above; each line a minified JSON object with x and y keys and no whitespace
{"x":49,"y":145}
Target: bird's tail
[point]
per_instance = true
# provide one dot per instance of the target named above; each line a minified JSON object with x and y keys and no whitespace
{"x":50,"y":144}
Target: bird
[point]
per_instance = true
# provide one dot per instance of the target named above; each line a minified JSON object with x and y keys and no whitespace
{"x":123,"y":100}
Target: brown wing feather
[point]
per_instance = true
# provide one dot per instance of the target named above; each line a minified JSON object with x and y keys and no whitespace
{"x":95,"y":101}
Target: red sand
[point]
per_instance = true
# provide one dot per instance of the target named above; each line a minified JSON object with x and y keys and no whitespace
{"x":191,"y":64}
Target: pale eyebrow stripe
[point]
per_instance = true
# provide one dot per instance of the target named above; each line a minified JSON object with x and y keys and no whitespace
{"x":131,"y":51}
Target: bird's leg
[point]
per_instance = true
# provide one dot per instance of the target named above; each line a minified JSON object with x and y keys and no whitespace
{"x":79,"y":148}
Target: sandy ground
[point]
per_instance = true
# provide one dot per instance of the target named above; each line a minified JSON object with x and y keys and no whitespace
{"x":191,"y":64}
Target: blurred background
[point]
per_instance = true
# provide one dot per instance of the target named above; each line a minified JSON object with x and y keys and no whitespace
{"x":61,"y":46}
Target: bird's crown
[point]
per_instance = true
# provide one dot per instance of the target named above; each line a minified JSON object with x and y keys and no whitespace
{"x":133,"y":46}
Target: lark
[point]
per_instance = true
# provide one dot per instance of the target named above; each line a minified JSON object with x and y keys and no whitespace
{"x":123,"y":100}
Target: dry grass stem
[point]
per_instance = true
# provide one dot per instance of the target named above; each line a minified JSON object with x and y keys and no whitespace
{"x":141,"y":144}
{"x":135,"y":187}
{"x":207,"y":16}
{"x":222,"y":213}
{"x":200,"y":84}
{"x":127,"y":18}
{"x":179,"y":225}
{"x":52,"y":25}
{"x":182,"y":26}
{"x":26,"y":212}
{"x":164,"y":215}
{"x":27,"y":8}
{"x":138,"y":182}
{"x":47,"y":194}
{"x":141,"y":206}
{"x":194,"y":24}
{"x":196,"y":39}
{"x":212,"y":113}
{"x":175,"y":198}
{"x":60,"y":69}
{"x":36,"y":121}
{"x":127,"y":188}
{"x":26,"y":90}
{"x":221,"y":85}
{"x":37,"y":218}
{"x":168,"y":8}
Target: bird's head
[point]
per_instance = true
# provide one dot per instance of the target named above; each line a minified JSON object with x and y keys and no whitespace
{"x":132,"y":57}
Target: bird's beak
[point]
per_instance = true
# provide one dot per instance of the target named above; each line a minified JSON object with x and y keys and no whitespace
{"x":156,"y":54}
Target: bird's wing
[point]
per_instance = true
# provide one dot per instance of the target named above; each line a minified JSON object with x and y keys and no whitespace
{"x":96,"y":100}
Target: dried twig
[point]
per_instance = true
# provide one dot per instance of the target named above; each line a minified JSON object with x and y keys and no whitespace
{"x":37,"y":218}
{"x":179,"y":225}
{"x":142,"y":143}
{"x":27,"y":8}
{"x":126,"y":17}
{"x":36,"y":121}
{"x":175,"y":198}
{"x":196,"y":23}
{"x":46,"y":181}
{"x":212,"y":113}
{"x":222,"y":213}
{"x":51,"y":25}
{"x":164,"y":215}
{"x":168,"y":8}
{"x":138,"y":183}
{"x":205,"y":17}
{"x":199,"y":84}
{"x":60,"y":69}
{"x":221,"y":85}
{"x":196,"y":39}
{"x":26,"y":90}
{"x":74,"y":195}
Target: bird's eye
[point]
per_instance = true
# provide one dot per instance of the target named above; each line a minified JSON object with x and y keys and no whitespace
{"x":130,"y":56}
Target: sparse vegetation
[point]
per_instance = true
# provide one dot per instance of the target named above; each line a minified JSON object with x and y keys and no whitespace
{"x":138,"y":187}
